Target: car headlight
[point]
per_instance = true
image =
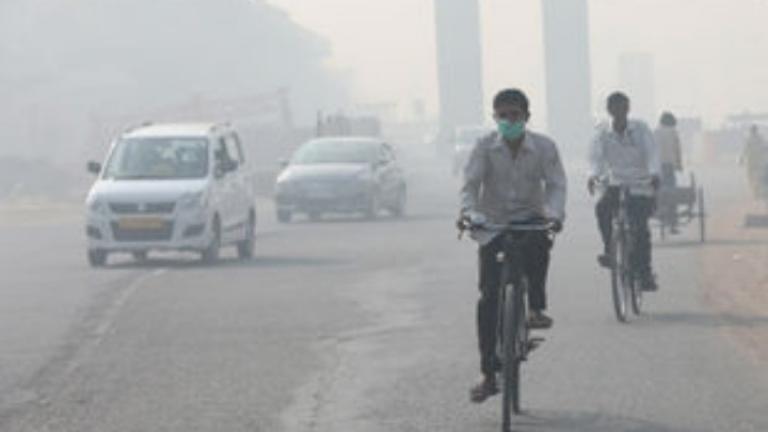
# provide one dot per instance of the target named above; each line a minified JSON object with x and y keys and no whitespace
{"x":365,"y":176}
{"x":193,"y":201}
{"x":285,"y":186}
{"x":96,"y":205}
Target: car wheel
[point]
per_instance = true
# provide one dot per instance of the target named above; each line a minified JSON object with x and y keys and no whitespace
{"x":97,"y":257}
{"x":245,"y":247}
{"x":284,"y":216}
{"x":398,"y":208}
{"x":374,"y":206}
{"x":211,"y":254}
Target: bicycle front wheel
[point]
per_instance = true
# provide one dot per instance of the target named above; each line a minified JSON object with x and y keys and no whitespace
{"x":618,"y":287}
{"x":513,"y":335}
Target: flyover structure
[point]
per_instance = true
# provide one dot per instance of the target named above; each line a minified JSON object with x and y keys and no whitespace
{"x":459,"y":61}
{"x":568,"y":71}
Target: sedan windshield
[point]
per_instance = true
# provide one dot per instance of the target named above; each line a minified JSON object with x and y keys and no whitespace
{"x":158,"y":158}
{"x":330,"y":151}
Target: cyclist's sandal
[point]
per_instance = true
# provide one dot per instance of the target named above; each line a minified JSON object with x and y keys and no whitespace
{"x":483,"y":390}
{"x":539,"y":322}
{"x":605,"y":261}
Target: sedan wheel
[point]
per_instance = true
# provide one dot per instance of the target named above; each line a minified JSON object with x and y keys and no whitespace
{"x":97,"y":257}
{"x":374,"y":206}
{"x":398,"y":208}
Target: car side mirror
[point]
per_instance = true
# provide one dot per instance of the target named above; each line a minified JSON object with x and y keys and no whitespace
{"x":93,"y":167}
{"x":225,"y":166}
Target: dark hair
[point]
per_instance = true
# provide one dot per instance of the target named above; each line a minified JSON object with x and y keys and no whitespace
{"x":617,"y":97}
{"x":511,"y":97}
{"x":668,"y":119}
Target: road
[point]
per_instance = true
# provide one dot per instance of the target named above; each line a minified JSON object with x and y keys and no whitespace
{"x":349,"y":325}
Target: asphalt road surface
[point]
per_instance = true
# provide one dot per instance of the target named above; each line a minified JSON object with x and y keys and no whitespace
{"x":352,"y":325}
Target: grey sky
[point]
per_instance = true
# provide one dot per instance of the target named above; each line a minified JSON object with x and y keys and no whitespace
{"x":708,"y":53}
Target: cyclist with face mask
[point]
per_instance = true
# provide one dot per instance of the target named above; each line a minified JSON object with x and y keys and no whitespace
{"x":513,"y":175}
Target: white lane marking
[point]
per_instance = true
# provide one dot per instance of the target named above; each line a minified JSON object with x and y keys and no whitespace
{"x":50,"y":382}
{"x":110,"y":315}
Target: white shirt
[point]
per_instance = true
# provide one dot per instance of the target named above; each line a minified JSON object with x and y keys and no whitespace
{"x":514,"y":189}
{"x":669,"y":145}
{"x":629,"y":158}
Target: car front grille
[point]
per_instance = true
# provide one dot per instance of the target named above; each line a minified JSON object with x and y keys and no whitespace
{"x":163,"y":207}
{"x":137,"y":235}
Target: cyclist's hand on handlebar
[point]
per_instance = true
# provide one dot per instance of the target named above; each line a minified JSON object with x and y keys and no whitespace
{"x":556,"y":225}
{"x":469,"y":220}
{"x":462,"y":223}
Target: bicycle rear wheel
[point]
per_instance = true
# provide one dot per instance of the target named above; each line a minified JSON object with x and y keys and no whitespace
{"x":636,"y":295}
{"x":618,"y":286}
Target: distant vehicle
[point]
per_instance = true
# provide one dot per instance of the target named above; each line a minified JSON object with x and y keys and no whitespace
{"x":343,"y":125}
{"x":171,"y":187}
{"x":464,"y":139}
{"x":341,"y":175}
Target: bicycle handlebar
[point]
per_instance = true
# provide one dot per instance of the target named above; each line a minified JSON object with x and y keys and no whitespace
{"x":549,"y":227}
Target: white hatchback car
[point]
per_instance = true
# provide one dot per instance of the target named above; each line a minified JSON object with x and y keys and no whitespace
{"x":171,"y":187}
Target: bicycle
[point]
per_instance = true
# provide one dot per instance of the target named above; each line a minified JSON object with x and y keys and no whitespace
{"x":624,"y":278}
{"x":514,"y":341}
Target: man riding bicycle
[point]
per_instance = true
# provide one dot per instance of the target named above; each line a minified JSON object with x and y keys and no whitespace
{"x":513,"y":175}
{"x":625,"y":154}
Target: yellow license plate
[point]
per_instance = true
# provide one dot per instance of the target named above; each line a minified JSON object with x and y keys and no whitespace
{"x":141,"y":223}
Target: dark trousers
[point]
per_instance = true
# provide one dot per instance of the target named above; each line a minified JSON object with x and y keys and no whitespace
{"x":639,"y":209}
{"x":535,"y":265}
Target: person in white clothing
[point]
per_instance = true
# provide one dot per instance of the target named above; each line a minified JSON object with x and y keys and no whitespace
{"x":671,"y":158}
{"x":754,"y":155}
{"x":624,"y":153}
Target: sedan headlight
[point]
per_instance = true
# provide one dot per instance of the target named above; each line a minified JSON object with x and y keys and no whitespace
{"x":97,"y":205}
{"x":365,"y":176}
{"x":285,"y":187}
{"x":193,"y":201}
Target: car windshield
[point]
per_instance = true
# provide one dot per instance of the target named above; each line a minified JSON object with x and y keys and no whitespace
{"x":158,"y":158}
{"x":330,"y":151}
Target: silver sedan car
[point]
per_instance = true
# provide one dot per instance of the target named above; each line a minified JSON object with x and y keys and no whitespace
{"x":341,"y":175}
